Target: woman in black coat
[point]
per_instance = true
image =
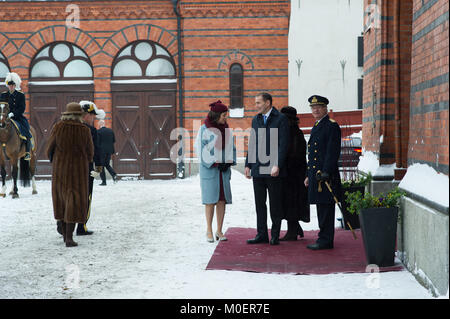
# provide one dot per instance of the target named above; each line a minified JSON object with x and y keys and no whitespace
{"x":295,"y":194}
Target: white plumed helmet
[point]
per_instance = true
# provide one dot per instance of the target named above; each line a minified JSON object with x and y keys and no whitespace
{"x":13,"y":77}
{"x":90,"y":107}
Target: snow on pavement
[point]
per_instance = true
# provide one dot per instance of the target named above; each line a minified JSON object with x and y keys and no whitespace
{"x":149,"y":242}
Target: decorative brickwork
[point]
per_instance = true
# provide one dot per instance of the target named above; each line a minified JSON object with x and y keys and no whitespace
{"x":405,"y":94}
{"x":214,"y":35}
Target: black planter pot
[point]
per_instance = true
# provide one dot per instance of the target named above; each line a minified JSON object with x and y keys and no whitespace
{"x":379,"y":232}
{"x":353,"y":219}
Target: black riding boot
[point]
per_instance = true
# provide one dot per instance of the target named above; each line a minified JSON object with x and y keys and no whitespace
{"x":27,"y":150}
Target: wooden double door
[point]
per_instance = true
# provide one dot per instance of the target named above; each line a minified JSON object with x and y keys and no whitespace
{"x":46,"y":105}
{"x":143,"y":118}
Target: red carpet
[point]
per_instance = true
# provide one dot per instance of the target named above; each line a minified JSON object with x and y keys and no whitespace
{"x":291,"y":256}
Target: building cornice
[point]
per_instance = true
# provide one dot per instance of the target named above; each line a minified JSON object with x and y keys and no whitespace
{"x":87,"y":11}
{"x":104,"y":10}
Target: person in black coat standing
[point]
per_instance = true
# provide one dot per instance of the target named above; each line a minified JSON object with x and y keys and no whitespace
{"x":106,"y":142}
{"x":324,"y":149}
{"x":266,"y":164}
{"x":91,"y":112}
{"x":295,"y":193}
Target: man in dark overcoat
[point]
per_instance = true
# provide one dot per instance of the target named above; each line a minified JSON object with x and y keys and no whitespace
{"x":16,"y":100}
{"x":265,"y":163}
{"x":324,"y":148}
{"x":106,"y":141}
{"x":91,"y":112}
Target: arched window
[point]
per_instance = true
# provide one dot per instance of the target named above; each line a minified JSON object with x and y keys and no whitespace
{"x":4,"y":67}
{"x":236,"y":86}
{"x":61,"y":60}
{"x":143,"y":59}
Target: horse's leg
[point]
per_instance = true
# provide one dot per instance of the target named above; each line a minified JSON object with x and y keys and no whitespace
{"x":12,"y":187}
{"x":3,"y":172}
{"x":32,"y":171}
{"x":14,"y":174}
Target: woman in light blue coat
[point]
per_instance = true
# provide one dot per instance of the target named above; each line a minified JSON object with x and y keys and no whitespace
{"x":217,"y":152}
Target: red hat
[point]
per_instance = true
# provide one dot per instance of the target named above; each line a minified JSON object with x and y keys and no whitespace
{"x":218,"y":107}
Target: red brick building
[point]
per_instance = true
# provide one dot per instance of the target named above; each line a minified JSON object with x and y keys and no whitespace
{"x":406,"y":88}
{"x":151,"y":65}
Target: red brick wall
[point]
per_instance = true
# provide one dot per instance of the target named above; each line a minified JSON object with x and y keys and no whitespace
{"x":26,"y":29}
{"x":218,"y":34}
{"x":429,"y":133}
{"x":215,"y":34}
{"x":387,"y":47}
{"x":405,"y":94}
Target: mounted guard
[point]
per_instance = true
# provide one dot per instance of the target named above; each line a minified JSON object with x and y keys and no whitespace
{"x":16,"y":100}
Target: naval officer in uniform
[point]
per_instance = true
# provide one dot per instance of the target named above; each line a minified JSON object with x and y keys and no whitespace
{"x":324,"y":148}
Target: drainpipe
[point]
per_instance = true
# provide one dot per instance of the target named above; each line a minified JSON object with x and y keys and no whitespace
{"x":397,"y":88}
{"x":180,"y":167}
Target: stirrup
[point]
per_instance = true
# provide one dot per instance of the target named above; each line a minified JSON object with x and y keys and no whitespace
{"x":27,"y":156}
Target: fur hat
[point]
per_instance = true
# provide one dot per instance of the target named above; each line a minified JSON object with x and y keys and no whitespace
{"x":90,"y":107}
{"x":13,"y":78}
{"x":73,"y":108}
{"x":290,"y":112}
{"x":218,"y":107}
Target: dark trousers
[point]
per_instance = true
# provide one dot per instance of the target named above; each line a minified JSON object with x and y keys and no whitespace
{"x":91,"y":187}
{"x":325,"y":217}
{"x":273,"y":186}
{"x":106,"y":159}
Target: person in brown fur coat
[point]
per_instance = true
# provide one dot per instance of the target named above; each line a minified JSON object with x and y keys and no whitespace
{"x":70,"y":149}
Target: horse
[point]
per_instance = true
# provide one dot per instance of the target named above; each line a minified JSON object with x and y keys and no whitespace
{"x":12,"y":148}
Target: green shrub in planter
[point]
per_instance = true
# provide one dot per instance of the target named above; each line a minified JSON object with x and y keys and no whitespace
{"x":357,"y":201}
{"x":378,"y":219}
{"x":352,"y":186}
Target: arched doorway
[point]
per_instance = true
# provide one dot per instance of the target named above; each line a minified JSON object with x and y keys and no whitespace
{"x":60,"y":73}
{"x":143,"y":90}
{"x":4,"y":68}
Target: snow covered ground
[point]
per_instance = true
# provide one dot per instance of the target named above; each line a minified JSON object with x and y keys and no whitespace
{"x":149,"y":242}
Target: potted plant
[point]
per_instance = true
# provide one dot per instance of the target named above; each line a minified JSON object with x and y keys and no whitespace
{"x":351,"y":186}
{"x":378,"y":219}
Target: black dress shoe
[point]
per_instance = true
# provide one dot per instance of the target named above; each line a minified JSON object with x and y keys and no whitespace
{"x":102,"y":184}
{"x":83,"y":232}
{"x":274,"y":241}
{"x":258,"y":240}
{"x":318,"y":246}
{"x":289,"y":236}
